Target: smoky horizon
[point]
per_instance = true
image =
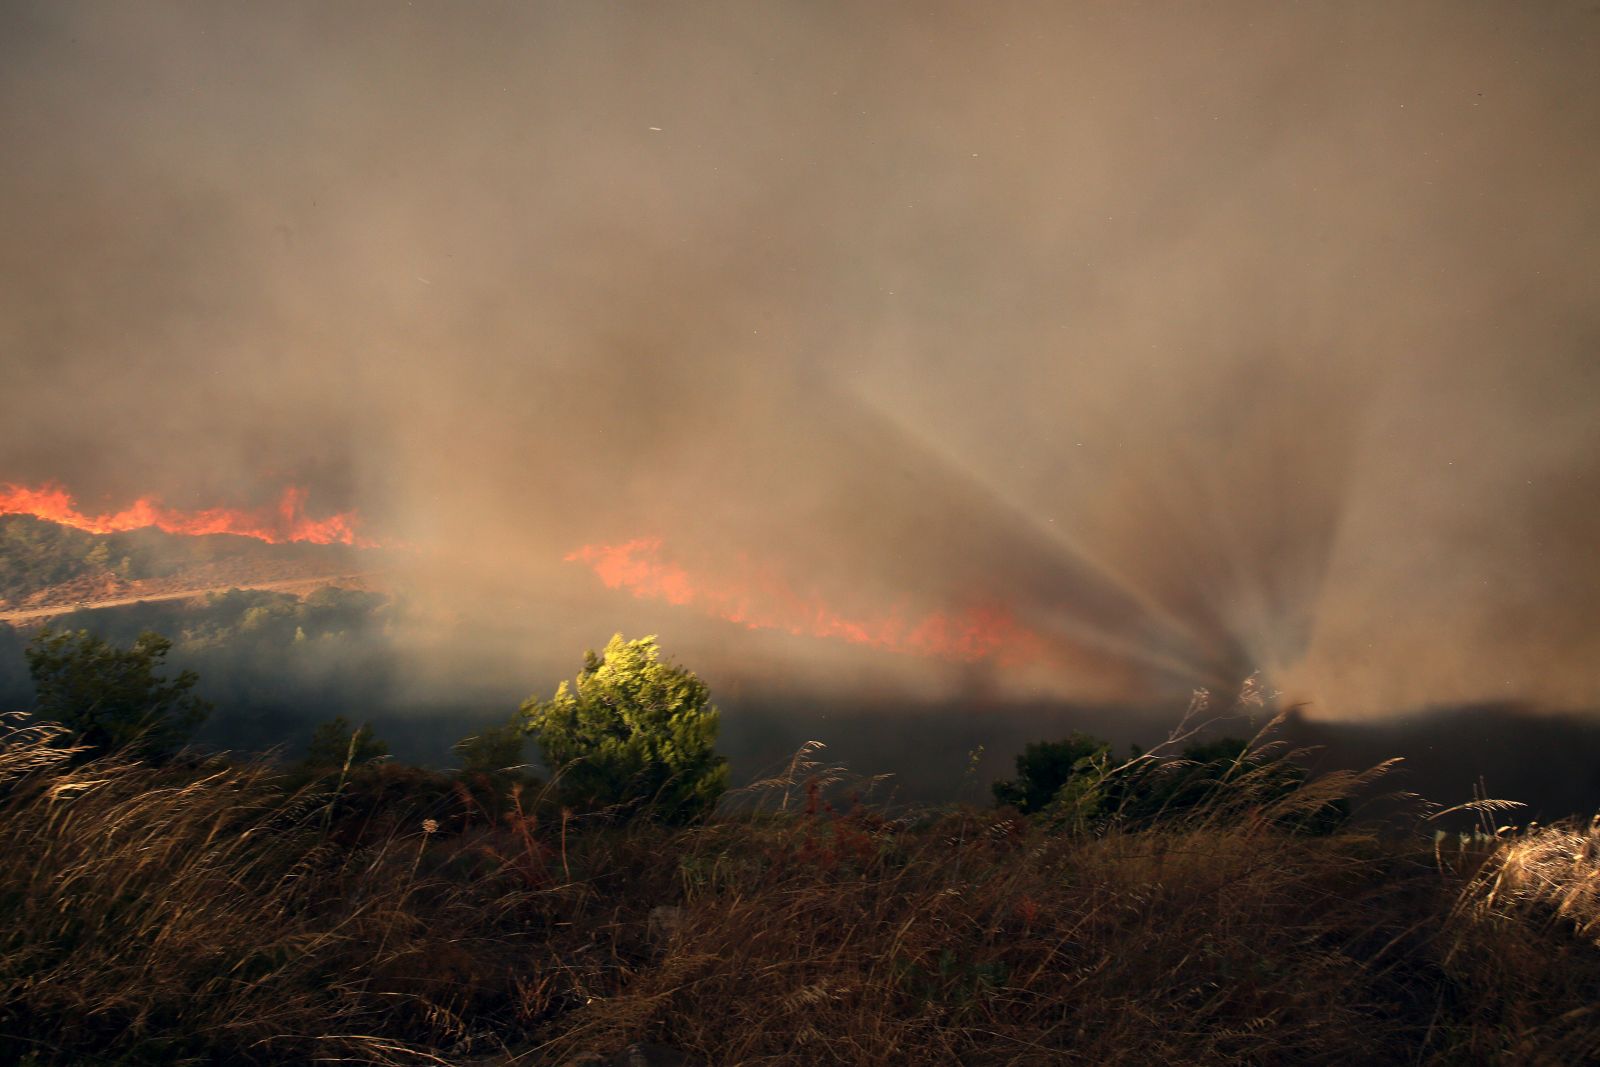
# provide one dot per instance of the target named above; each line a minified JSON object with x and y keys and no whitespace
{"x":1045,"y":352}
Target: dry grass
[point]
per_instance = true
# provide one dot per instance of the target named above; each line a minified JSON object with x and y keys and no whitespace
{"x":1522,"y":944}
{"x":211,"y":914}
{"x":205,"y":913}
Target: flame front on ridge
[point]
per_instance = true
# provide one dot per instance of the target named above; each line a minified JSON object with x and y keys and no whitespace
{"x":285,"y":522}
{"x":761,"y":600}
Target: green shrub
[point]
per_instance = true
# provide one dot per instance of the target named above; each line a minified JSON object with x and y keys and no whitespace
{"x":1077,"y":784}
{"x":111,"y":697}
{"x":633,"y":733}
{"x":1044,"y":768}
{"x":337,"y":745}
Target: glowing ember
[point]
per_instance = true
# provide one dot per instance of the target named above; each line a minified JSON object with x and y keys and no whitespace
{"x":283,"y":523}
{"x":764,"y":601}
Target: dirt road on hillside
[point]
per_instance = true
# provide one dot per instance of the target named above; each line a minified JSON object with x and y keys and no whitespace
{"x":284,"y":585}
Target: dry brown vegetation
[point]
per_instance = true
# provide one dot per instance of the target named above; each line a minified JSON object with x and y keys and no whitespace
{"x":212,"y":913}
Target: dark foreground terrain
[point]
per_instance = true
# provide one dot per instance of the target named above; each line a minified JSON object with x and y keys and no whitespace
{"x":215,"y":912}
{"x":223,"y":910}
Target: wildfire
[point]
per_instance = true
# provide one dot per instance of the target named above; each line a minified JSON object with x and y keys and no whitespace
{"x":762,"y":600}
{"x":285,"y":522}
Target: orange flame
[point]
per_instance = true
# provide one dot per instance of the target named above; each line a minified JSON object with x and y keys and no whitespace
{"x":283,"y":523}
{"x":764,"y":601}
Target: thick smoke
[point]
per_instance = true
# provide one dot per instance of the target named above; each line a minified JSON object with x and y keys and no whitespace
{"x":1206,"y":338}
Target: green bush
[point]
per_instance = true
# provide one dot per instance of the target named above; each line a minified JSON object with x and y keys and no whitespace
{"x":633,"y":733}
{"x":111,"y":697}
{"x":336,"y":745}
{"x":1045,"y":767}
{"x":1076,"y":784}
{"x":494,"y":752}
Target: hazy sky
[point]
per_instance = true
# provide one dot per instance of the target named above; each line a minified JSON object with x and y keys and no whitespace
{"x":1199,"y":337}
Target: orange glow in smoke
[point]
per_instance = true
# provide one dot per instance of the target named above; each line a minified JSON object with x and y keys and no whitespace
{"x":763,"y":601}
{"x":277,"y":525}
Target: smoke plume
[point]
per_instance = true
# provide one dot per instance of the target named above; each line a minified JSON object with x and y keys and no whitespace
{"x":1199,"y":340}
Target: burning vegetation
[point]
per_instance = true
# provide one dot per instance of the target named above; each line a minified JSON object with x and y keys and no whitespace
{"x":285,"y":523}
{"x":760,"y":598}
